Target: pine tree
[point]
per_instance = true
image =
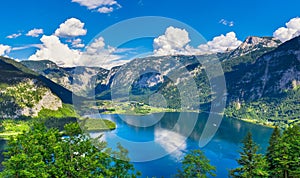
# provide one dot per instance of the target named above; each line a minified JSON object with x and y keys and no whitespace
{"x":251,"y":163}
{"x":195,"y":164}
{"x":271,"y":154}
{"x":286,"y":154}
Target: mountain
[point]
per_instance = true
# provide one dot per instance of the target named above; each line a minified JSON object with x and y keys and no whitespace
{"x":267,"y":90}
{"x":262,"y":79}
{"x":80,"y":80}
{"x":253,"y":43}
{"x":272,"y":73}
{"x":23,"y":92}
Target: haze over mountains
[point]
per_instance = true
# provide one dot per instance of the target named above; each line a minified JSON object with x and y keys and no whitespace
{"x":260,"y":70}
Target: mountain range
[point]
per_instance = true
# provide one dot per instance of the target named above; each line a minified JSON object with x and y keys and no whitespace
{"x":262,"y":80}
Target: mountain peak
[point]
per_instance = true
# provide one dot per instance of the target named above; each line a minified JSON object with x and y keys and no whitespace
{"x":268,"y":42}
{"x":253,"y":43}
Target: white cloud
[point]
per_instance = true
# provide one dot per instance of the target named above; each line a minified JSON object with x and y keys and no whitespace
{"x":102,"y":6}
{"x":291,"y":30}
{"x":71,"y":28}
{"x":105,"y":10}
{"x":176,"y":41}
{"x":53,"y":49}
{"x":26,"y":47}
{"x":97,"y":46}
{"x":220,"y":44}
{"x":226,"y":22}
{"x":77,"y":43}
{"x":172,"y":42}
{"x":4,"y":49}
{"x":15,"y":35}
{"x":96,"y":55}
{"x":35,"y":32}
{"x":93,"y":4}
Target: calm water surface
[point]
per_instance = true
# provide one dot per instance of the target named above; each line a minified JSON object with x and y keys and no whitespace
{"x":165,"y":141}
{"x":166,"y":144}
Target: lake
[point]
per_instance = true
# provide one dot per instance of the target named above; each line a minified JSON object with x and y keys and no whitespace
{"x":157,"y":144}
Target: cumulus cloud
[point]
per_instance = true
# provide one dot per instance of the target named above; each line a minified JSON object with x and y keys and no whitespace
{"x":174,"y":41}
{"x":220,"y":44}
{"x":53,"y":49}
{"x":96,"y":55}
{"x":105,"y":10}
{"x":101,"y":55}
{"x":102,"y":6}
{"x":77,"y":43}
{"x":291,"y":30}
{"x":4,"y":49}
{"x":97,"y":45}
{"x":15,"y":35}
{"x":226,"y":22}
{"x":71,"y":28}
{"x":35,"y":32}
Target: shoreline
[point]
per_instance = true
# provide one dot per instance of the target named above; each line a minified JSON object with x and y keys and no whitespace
{"x":252,"y":121}
{"x":7,"y":135}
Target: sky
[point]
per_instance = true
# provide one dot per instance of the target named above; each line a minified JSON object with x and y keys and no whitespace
{"x":72,"y":32}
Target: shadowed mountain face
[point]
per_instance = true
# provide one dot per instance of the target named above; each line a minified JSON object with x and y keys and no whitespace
{"x":270,"y":74}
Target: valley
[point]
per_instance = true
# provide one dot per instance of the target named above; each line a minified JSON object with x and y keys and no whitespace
{"x":260,"y":74}
{"x":149,"y":89}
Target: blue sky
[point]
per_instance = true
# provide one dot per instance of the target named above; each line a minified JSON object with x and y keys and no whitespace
{"x":210,"y":18}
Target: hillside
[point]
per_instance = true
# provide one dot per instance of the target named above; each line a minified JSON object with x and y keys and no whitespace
{"x":268,"y":89}
{"x":80,"y":80}
{"x":23,"y":92}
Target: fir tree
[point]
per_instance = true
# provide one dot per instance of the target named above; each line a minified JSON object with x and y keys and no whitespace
{"x":251,"y":163}
{"x":271,"y":154}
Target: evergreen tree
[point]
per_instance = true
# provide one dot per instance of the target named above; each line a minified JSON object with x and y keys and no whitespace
{"x":47,"y":153}
{"x":285,"y":156}
{"x":251,"y":163}
{"x":195,"y":164}
{"x":271,"y":154}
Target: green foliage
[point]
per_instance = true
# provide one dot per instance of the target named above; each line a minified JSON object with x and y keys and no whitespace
{"x":25,"y":94}
{"x":271,"y":151}
{"x":14,"y":125}
{"x":98,"y":124}
{"x":57,"y":123}
{"x":46,"y":153}
{"x":282,"y":110}
{"x":9,"y":127}
{"x":251,"y":163}
{"x":284,"y":153}
{"x":15,"y":97}
{"x":64,"y":112}
{"x":195,"y":164}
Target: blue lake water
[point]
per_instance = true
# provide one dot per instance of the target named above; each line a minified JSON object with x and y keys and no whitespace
{"x":157,"y":144}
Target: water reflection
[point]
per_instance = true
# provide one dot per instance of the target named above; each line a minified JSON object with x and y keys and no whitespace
{"x":172,"y":142}
{"x":171,"y":137}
